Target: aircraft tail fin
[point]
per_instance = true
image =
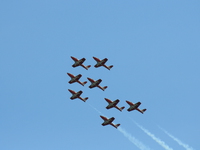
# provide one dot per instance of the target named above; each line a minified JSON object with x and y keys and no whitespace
{"x":117,"y":125}
{"x":143,"y":110}
{"x":83,"y":83}
{"x":121,"y":108}
{"x":104,"y":87}
{"x":88,"y":66}
{"x":84,"y":99}
{"x":110,"y":67}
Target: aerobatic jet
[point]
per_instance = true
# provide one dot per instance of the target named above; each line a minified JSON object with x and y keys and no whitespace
{"x":112,"y":104}
{"x":80,"y":63}
{"x":109,"y":122}
{"x":77,"y":95}
{"x":102,"y":63}
{"x":76,"y":79}
{"x":96,"y":84}
{"x":135,"y":106}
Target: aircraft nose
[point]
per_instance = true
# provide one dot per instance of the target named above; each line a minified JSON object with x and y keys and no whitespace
{"x":95,"y":58}
{"x":89,"y":79}
{"x":102,"y":117}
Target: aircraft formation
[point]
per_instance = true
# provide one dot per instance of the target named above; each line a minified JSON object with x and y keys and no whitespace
{"x":95,"y":83}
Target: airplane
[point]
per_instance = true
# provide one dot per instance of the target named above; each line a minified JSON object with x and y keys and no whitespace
{"x":135,"y":106}
{"x":77,"y":95}
{"x":109,"y":121}
{"x":96,"y":84}
{"x":112,"y":104}
{"x":76,"y":79}
{"x":80,"y":63}
{"x":102,"y":63}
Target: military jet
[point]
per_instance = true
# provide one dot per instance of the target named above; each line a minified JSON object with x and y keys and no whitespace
{"x":112,"y":104}
{"x":96,"y":84}
{"x":102,"y":63}
{"x":76,"y":79}
{"x":135,"y":106}
{"x":109,"y":121}
{"x":80,"y":63}
{"x":77,"y":95}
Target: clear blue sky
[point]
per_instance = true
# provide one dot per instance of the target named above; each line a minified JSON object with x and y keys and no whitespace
{"x":153,"y":45}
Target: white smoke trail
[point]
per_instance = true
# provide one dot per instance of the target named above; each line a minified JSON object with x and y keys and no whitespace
{"x":160,"y":142}
{"x":187,"y":147}
{"x":96,"y":109}
{"x":136,"y":142}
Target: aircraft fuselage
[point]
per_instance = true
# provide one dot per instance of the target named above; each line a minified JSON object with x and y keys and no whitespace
{"x":113,"y":104}
{"x":109,"y":121}
{"x":101,"y":63}
{"x":133,"y":107}
{"x":75,"y":79}
{"x":96,"y":83}
{"x":78,"y":63}
{"x":76,"y":95}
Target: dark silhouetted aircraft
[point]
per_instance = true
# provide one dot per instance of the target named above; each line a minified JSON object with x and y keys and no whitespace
{"x":135,"y":107}
{"x":109,"y":122}
{"x":76,"y":79}
{"x":96,"y":84}
{"x":102,"y":63}
{"x":112,"y":104}
{"x":80,"y":63}
{"x":77,"y":95}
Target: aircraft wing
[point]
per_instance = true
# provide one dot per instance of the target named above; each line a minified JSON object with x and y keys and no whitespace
{"x":99,"y":81}
{"x":79,"y":76}
{"x":117,"y":101}
{"x":111,"y":119}
{"x":80,"y":92}
{"x":105,"y":60}
{"x":83,"y":59}
{"x":138,"y":104}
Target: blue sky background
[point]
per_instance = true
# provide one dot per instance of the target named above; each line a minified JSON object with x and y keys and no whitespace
{"x":153,"y":45}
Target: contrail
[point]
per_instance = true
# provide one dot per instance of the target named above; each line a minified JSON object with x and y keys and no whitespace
{"x":187,"y":147}
{"x":160,"y":142}
{"x":136,"y":142}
